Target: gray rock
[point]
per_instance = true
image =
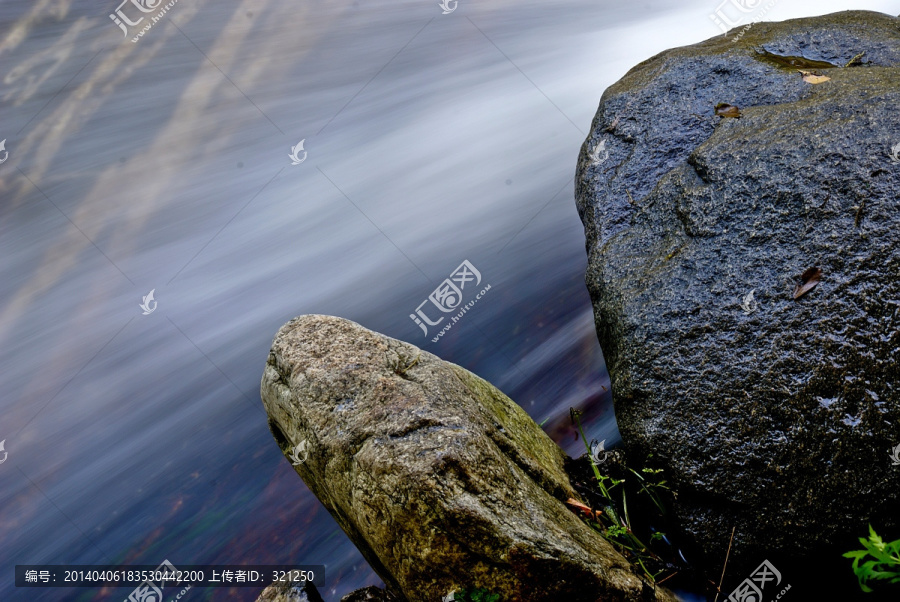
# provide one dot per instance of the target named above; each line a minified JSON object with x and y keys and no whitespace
{"x":287,"y":591}
{"x":439,"y":479}
{"x":776,"y":417}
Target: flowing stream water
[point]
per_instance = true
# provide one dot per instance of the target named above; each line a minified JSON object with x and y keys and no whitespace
{"x":159,"y":161}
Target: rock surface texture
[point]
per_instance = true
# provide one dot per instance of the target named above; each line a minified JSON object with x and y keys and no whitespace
{"x":438,"y":478}
{"x":770,"y":414}
{"x":286,"y":591}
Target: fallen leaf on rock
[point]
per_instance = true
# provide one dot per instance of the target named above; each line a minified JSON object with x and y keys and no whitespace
{"x":808,"y":281}
{"x":811,"y":77}
{"x":857,"y":60}
{"x":723,"y":109}
{"x":579,"y":508}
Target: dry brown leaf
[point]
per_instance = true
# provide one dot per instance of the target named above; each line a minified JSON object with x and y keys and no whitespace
{"x":580,"y":508}
{"x":808,"y":281}
{"x":813,"y":77}
{"x":723,"y":109}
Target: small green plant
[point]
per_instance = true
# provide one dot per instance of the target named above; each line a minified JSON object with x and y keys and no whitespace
{"x":475,"y":595}
{"x":613,"y":520}
{"x":885,"y":563}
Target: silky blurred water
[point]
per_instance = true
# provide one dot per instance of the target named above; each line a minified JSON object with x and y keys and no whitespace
{"x":163,"y":165}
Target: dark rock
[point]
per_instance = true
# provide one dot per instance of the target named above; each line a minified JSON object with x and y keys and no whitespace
{"x":440,"y":480}
{"x":370,"y":594}
{"x":288,"y":591}
{"x":775,"y":418}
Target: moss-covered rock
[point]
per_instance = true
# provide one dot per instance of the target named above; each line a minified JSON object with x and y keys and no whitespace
{"x":439,"y":479}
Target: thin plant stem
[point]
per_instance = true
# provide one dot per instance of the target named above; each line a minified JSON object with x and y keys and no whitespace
{"x":722,"y":578}
{"x":637,"y":547}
